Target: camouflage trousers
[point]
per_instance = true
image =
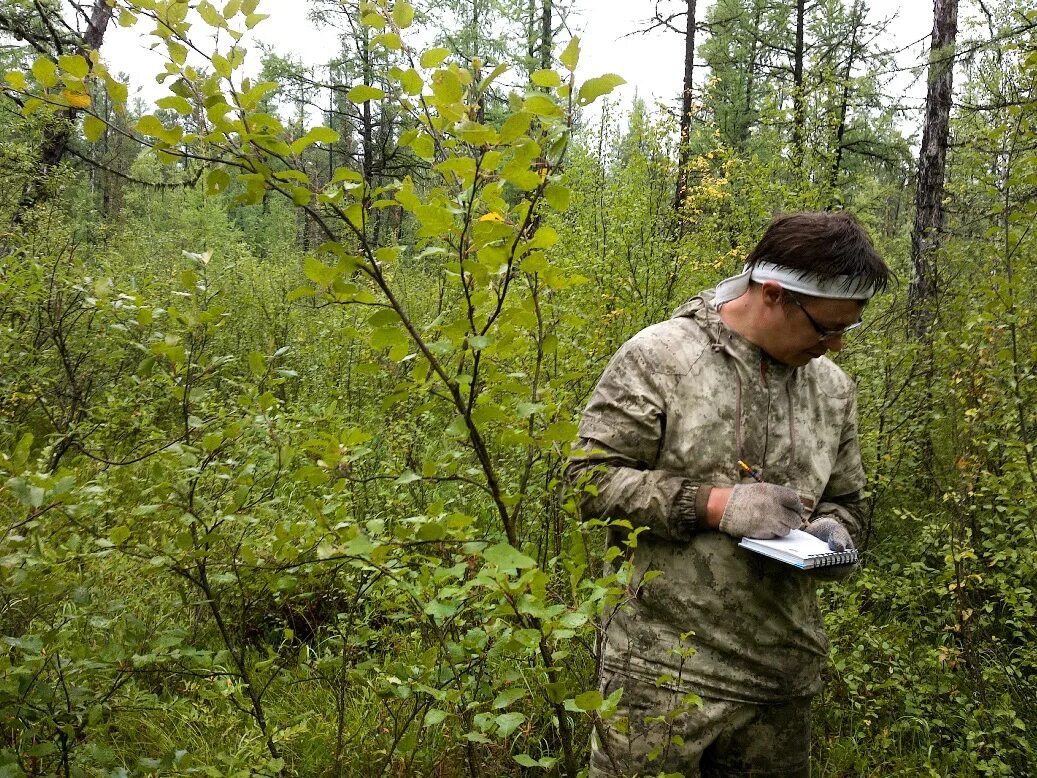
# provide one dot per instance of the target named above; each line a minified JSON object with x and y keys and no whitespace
{"x":657,"y":731}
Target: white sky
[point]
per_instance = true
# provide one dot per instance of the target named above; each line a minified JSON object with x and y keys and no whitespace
{"x":652,"y":63}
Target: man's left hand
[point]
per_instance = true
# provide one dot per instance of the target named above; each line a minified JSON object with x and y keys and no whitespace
{"x":832,"y":532}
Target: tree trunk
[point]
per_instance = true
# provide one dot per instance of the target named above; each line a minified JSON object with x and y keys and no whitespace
{"x":926,"y":236}
{"x":546,"y":35}
{"x":798,"y":103}
{"x":750,"y":77}
{"x":840,"y":133}
{"x":689,"y":73}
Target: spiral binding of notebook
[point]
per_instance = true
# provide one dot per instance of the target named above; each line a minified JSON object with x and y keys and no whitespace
{"x":832,"y":558}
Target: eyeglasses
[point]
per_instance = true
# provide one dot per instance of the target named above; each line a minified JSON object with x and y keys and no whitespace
{"x":822,"y":333}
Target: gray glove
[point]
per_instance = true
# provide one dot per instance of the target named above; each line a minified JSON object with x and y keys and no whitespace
{"x":761,"y":511}
{"x":832,"y":532}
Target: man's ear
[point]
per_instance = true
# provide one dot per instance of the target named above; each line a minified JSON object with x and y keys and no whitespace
{"x":771,"y":292}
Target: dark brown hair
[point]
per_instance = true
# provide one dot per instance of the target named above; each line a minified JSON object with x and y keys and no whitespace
{"x":822,"y":242}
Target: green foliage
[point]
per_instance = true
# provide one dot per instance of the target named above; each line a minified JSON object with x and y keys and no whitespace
{"x":283,"y":424}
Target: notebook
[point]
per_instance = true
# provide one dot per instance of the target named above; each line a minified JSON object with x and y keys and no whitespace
{"x":801,"y":550}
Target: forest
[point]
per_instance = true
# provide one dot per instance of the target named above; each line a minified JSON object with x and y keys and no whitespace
{"x":292,"y":358}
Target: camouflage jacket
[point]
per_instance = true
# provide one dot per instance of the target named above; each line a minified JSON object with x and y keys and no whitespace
{"x":684,"y":400}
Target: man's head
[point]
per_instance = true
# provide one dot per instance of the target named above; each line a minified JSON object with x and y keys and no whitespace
{"x":805,"y":284}
{"x":825,"y":244}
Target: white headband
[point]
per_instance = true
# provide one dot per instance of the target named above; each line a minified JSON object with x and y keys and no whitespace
{"x":835,"y":287}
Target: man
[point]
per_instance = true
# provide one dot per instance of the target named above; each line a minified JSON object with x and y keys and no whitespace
{"x":738,"y":374}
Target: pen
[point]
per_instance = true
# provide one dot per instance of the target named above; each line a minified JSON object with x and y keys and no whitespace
{"x":750,"y":471}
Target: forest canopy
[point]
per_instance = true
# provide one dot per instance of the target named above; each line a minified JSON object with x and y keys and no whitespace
{"x":293,"y":359}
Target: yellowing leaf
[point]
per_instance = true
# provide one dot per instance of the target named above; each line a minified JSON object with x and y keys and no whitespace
{"x":492,"y":216}
{"x":76,"y":99}
{"x":16,"y":79}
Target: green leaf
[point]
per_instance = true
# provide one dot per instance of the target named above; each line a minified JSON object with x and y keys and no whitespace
{"x":506,"y":557}
{"x":314,"y":135}
{"x":545,"y":237}
{"x":389,"y":40}
{"x":424,"y":145}
{"x":373,"y":20}
{"x":361,"y":93}
{"x":216,"y":181}
{"x":411,"y":81}
{"x":22,"y":450}
{"x":570,"y":57}
{"x":210,"y":15}
{"x":318,"y":272}
{"x":508,"y":696}
{"x":150,"y":125}
{"x":508,"y":723}
{"x":447,"y":86}
{"x":222,"y":65}
{"x":594,"y":88}
{"x":388,"y":337}
{"x":74,"y":65}
{"x":119,"y":534}
{"x":433,"y":58}
{"x":176,"y":103}
{"x":93,"y":128}
{"x":402,"y":14}
{"x":546,"y":78}
{"x":44,"y":71}
{"x":589,"y":700}
{"x":256,"y":363}
{"x":557,"y":196}
{"x":299,"y":293}
{"x":323,"y":135}
{"x":433,"y":717}
{"x":542,"y":105}
{"x":177,"y":51}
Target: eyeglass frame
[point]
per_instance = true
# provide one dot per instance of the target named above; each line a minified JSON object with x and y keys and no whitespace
{"x":822,"y":333}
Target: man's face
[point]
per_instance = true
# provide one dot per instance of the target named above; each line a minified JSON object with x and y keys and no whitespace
{"x":812,"y":327}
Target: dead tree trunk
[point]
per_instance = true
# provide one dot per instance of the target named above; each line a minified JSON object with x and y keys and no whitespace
{"x":689,"y":79}
{"x":926,"y":236}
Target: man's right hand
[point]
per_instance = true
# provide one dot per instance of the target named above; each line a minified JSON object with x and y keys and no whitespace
{"x":761,"y":511}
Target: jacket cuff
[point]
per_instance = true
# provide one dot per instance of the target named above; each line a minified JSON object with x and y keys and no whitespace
{"x":688,"y":512}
